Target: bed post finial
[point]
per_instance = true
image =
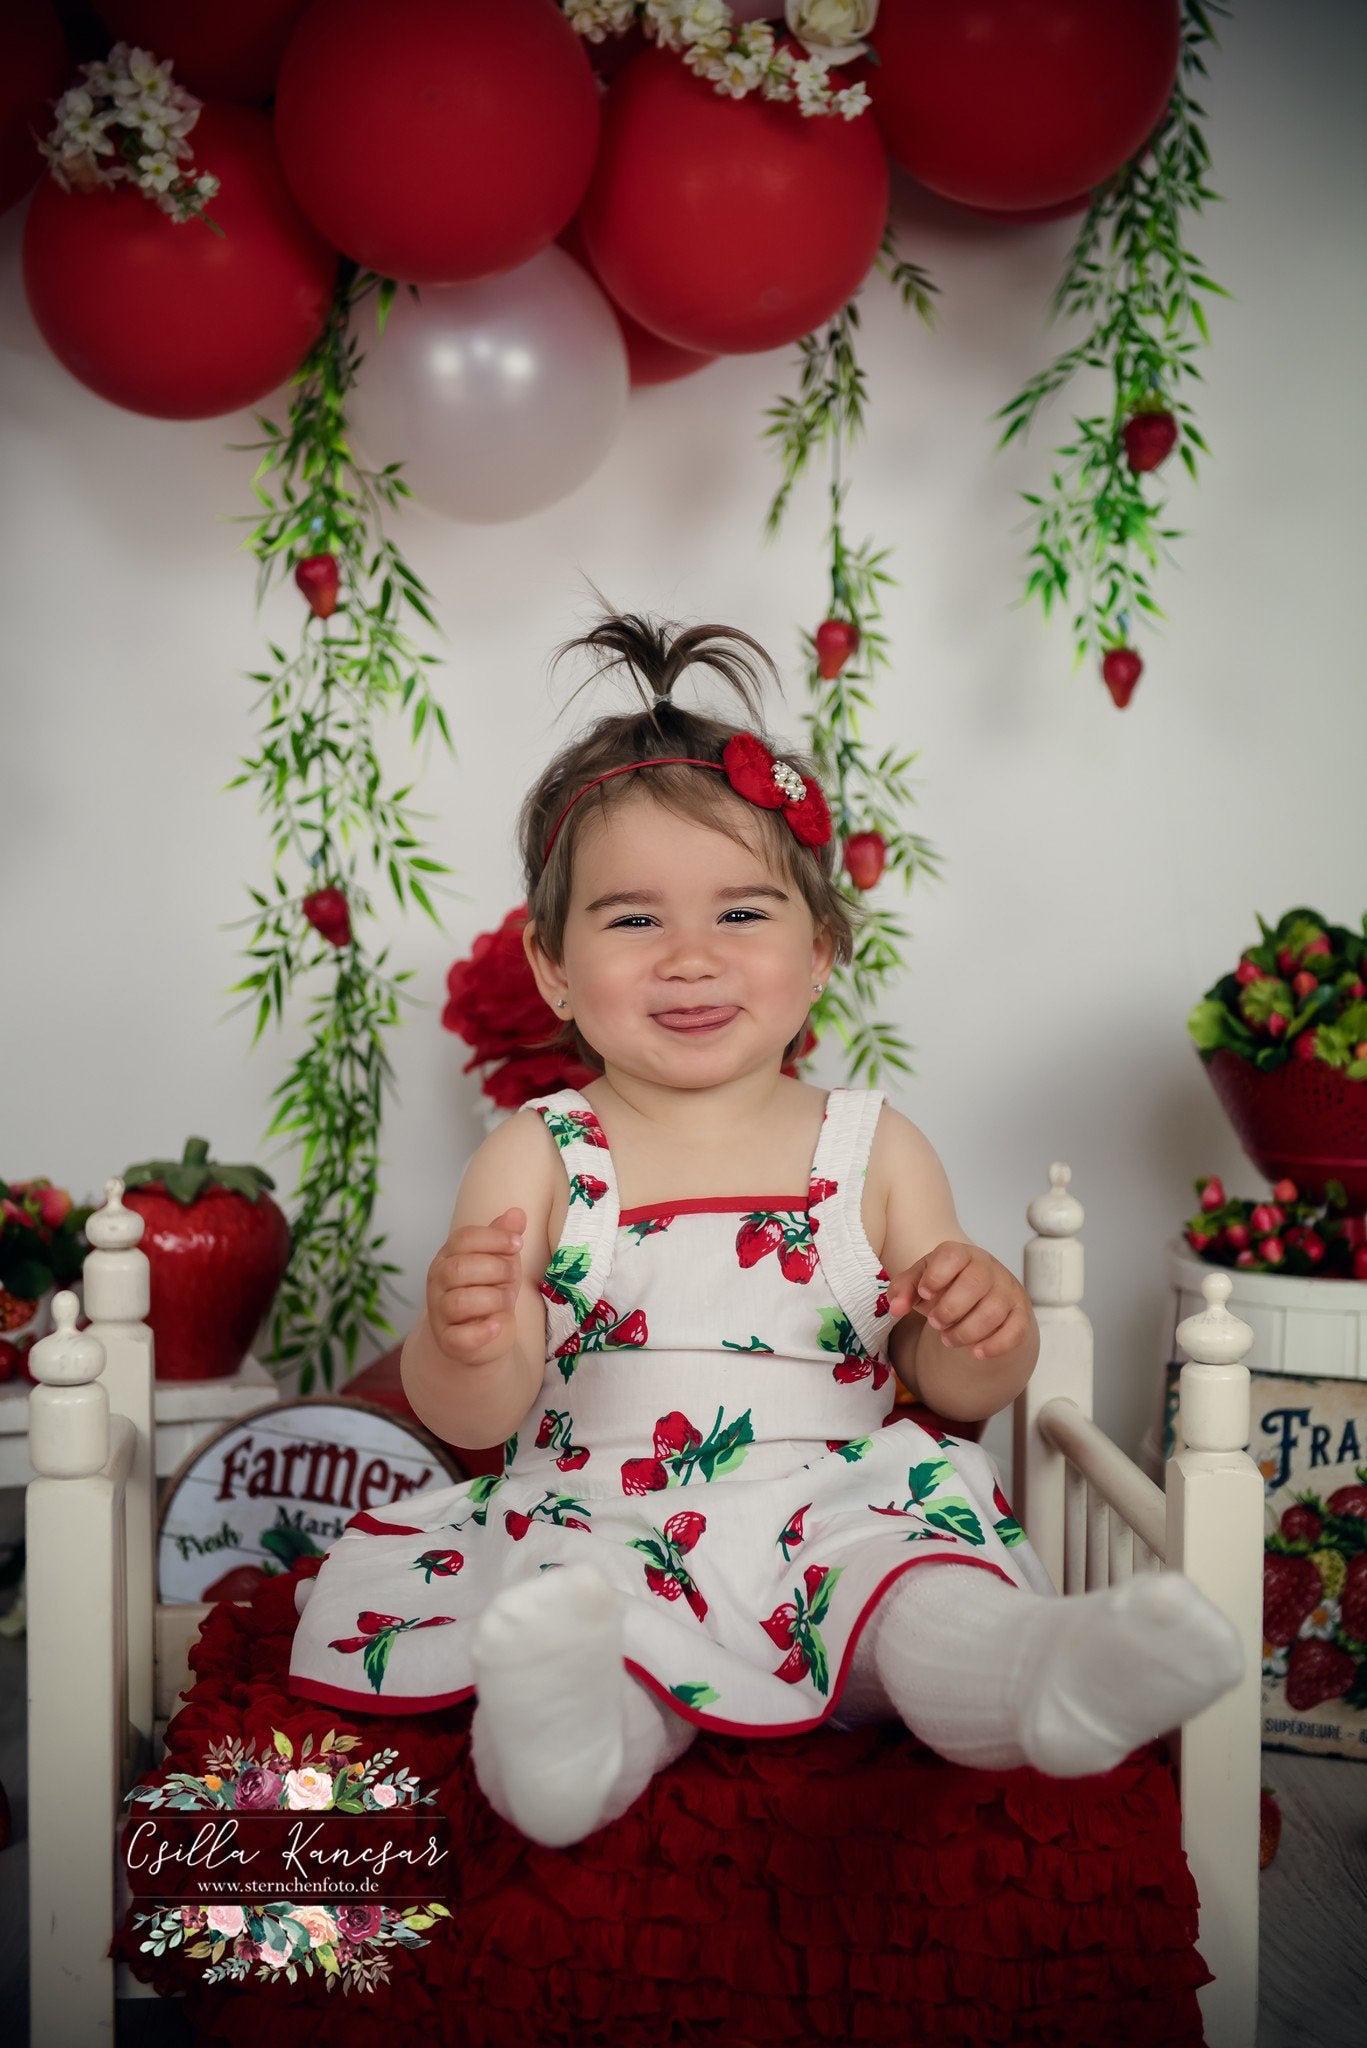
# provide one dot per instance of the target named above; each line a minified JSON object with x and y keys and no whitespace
{"x":1215,"y":1388}
{"x":68,"y":1411}
{"x":1053,"y":1257}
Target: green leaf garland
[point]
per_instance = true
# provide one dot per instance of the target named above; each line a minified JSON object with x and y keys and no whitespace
{"x":319,"y":782}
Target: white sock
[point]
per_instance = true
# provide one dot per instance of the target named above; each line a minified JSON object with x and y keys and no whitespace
{"x":997,"y":1676}
{"x":563,"y":1738}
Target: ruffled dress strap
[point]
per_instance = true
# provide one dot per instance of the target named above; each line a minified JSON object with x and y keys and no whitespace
{"x":574,"y":1281}
{"x":852,"y":1267}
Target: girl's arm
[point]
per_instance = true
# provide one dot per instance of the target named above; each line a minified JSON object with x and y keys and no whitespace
{"x":978,"y":1302}
{"x":481,"y":1405}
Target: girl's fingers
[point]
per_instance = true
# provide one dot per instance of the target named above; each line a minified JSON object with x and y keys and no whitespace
{"x":1003,"y":1340}
{"x":984,"y":1321}
{"x":955,"y":1303}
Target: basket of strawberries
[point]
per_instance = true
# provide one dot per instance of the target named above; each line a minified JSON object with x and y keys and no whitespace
{"x":42,"y":1246}
{"x":1283,"y":1038}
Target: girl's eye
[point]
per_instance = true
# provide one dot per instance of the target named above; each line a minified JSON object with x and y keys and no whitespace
{"x":626,"y":923}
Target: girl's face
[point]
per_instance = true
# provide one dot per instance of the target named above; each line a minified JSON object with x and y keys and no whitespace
{"x":687,"y":959}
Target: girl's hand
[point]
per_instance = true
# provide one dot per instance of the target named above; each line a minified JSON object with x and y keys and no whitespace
{"x":966,"y":1296}
{"x":472,"y":1289}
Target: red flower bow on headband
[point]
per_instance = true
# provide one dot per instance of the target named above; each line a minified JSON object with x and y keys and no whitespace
{"x":754,"y":774}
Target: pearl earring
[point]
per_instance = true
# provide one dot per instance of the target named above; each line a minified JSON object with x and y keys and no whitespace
{"x":560,"y":1002}
{"x":817,"y":987}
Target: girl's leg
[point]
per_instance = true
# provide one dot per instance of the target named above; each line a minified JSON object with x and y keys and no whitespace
{"x":563,"y":1739}
{"x":993,"y":1675}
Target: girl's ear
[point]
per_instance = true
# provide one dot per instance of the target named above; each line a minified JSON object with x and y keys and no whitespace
{"x":823,"y":955}
{"x":550,"y":978}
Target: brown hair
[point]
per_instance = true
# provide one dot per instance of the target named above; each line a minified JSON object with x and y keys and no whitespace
{"x":654,"y":656}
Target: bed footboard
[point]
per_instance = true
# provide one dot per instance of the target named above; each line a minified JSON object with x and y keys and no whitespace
{"x":1095,"y":1519}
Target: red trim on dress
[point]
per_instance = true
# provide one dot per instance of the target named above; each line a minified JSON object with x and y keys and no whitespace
{"x":697,"y":1205}
{"x":409,"y":1703}
{"x":371,"y":1525}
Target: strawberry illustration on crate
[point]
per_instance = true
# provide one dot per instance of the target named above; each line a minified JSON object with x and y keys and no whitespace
{"x":218,"y":1247}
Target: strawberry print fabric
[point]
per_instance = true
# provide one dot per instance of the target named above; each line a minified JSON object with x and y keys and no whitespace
{"x":715,"y":1433}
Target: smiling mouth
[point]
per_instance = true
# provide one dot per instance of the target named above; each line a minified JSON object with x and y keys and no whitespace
{"x":695,"y":1022}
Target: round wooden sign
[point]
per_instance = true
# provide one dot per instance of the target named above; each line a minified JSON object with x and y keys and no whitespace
{"x":283,"y":1483}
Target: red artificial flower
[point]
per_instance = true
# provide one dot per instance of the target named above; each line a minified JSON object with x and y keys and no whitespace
{"x":494,"y":1004}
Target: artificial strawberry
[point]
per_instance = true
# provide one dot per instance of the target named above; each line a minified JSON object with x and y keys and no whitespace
{"x":320,"y":582}
{"x":11,"y":1359}
{"x":1292,"y":1588}
{"x":836,"y":641}
{"x":1286,"y":1192}
{"x":1121,"y":669}
{"x":218,"y":1247}
{"x":1269,"y":1827}
{"x":1306,"y":1045}
{"x":1150,"y":437}
{"x":238,"y":1584}
{"x":326,"y":910}
{"x":1213,"y":1193}
{"x":865,"y":854}
{"x":1318,"y":1671}
{"x":15,"y":1311}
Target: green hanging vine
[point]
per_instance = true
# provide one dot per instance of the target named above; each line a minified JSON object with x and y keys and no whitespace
{"x":319,"y":782}
{"x":1096,"y":532}
{"x":869,"y":797}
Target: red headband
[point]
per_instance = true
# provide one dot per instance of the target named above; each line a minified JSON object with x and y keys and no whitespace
{"x":753,"y":773}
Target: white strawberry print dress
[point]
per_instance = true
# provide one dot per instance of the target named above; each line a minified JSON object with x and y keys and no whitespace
{"x":715,"y":1433}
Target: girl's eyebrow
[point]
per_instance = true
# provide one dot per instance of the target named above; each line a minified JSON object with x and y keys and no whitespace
{"x":648,"y":896}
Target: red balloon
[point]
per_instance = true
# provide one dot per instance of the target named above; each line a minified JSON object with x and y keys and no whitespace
{"x":166,"y":317}
{"x":650,"y":359}
{"x":437,"y":140}
{"x":221,"y":49}
{"x":729,"y":226}
{"x":32,"y":73}
{"x":1021,"y":103}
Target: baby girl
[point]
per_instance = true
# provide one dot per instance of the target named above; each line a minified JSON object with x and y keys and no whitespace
{"x":678,"y":1298}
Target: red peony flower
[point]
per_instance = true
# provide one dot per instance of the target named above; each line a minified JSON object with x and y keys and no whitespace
{"x":494,"y":1004}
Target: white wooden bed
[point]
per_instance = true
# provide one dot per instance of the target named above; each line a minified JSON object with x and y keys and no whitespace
{"x":107,"y":1662}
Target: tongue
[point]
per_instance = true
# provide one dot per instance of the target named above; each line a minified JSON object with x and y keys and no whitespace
{"x":694,"y":1017}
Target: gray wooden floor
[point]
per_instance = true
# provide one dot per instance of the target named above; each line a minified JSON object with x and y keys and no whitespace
{"x":1314,"y":1899}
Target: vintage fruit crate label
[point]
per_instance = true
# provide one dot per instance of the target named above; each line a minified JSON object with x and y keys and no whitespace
{"x":1309,"y":1439}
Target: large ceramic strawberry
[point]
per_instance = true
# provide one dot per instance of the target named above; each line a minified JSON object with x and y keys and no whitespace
{"x":218,"y":1247}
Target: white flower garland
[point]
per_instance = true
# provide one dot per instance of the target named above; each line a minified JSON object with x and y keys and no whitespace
{"x":127,"y":123}
{"x":737,"y":61}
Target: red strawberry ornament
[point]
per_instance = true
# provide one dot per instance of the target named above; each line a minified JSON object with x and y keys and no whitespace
{"x":326,"y":910}
{"x":317,"y":577}
{"x":218,"y":1248}
{"x":1150,"y":437}
{"x":865,"y":854}
{"x":1121,"y":669}
{"x":836,"y":641}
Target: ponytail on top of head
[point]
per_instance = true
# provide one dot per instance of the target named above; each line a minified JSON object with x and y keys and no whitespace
{"x":653,"y":656}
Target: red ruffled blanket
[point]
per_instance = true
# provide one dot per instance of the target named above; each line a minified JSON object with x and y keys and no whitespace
{"x":842,"y":1886}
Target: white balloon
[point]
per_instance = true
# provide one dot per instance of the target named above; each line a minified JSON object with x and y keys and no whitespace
{"x":499,"y":397}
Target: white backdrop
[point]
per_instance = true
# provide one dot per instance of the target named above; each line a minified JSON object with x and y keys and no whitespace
{"x":1101,"y":868}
